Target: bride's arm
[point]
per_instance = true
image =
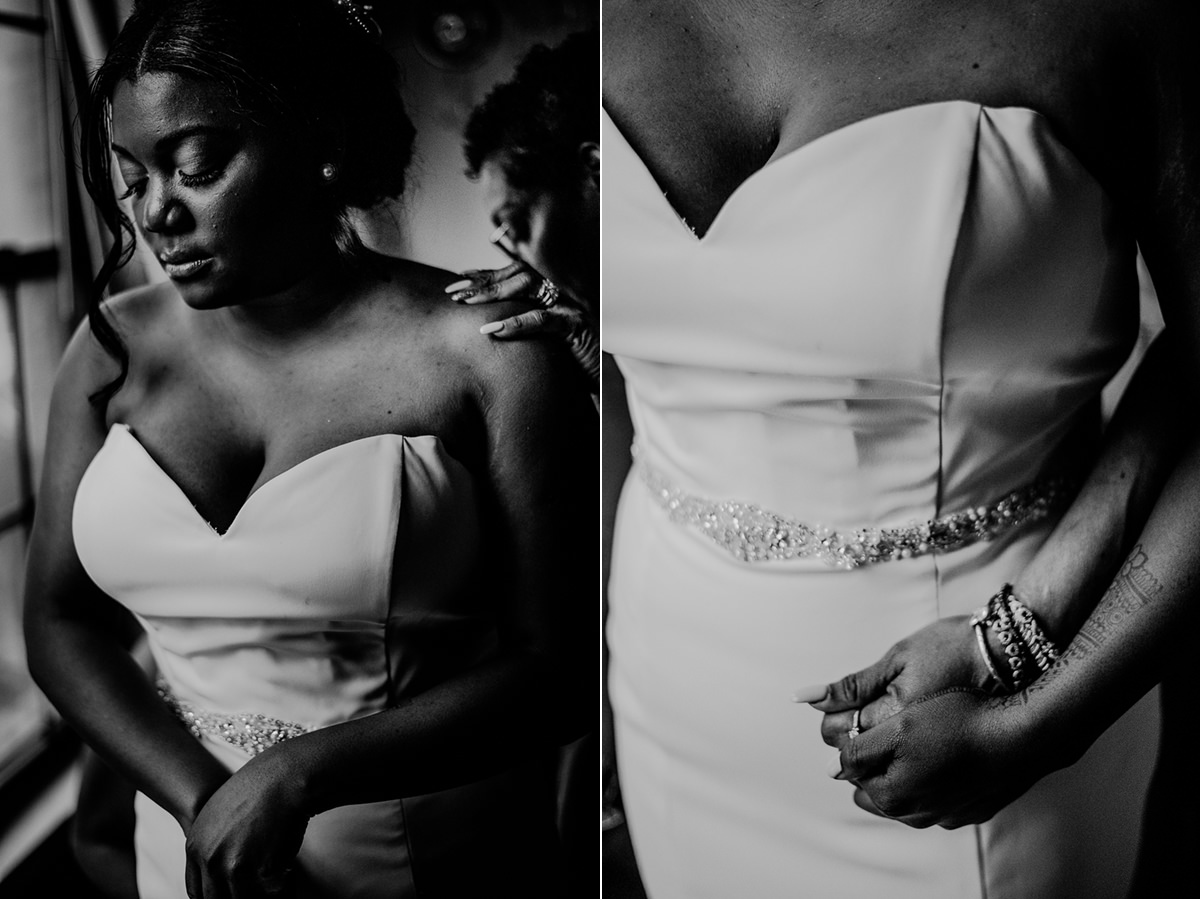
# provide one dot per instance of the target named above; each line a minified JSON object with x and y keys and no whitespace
{"x":617,"y":460}
{"x":957,"y":757}
{"x":76,"y":650}
{"x":1064,"y":580}
{"x":541,"y":686}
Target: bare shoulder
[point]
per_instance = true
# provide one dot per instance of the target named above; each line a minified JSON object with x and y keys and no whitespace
{"x":86,"y":363}
{"x":450,"y":333}
{"x":147,"y":319}
{"x":148,"y":326}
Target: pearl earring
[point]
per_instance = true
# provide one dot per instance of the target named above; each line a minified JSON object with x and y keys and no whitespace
{"x":329,"y":173}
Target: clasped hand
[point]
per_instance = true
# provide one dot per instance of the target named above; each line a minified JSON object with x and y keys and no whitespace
{"x":932,"y":745}
{"x":243,"y":843}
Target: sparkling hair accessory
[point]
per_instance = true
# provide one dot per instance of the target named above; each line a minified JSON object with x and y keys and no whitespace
{"x":359,"y":16}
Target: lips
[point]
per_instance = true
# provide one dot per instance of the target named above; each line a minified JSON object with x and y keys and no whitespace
{"x":183,"y":265}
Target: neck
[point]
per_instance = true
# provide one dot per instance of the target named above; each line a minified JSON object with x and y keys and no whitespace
{"x":306,"y":308}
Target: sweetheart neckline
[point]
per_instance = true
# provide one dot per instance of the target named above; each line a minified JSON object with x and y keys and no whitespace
{"x":800,"y":151}
{"x":122,"y":427}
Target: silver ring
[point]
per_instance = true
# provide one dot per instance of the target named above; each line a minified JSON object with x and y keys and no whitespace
{"x":547,"y":294}
{"x":854,"y":725}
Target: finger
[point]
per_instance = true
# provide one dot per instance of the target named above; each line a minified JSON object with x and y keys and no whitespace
{"x":867,"y":755}
{"x":535,"y":321}
{"x":863,"y":801}
{"x":836,"y":727}
{"x":516,"y":285}
{"x":481,"y":277}
{"x":857,"y":689}
{"x":811,"y":694}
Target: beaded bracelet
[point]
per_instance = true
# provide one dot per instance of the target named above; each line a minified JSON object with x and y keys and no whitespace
{"x":977,"y":624}
{"x":1040,"y":646}
{"x":996,"y":614}
{"x":1020,"y":635}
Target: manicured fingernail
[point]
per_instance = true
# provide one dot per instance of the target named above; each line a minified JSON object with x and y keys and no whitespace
{"x":459,"y":285}
{"x":463,"y":295}
{"x":492,"y":328}
{"x":815,"y":693}
{"x":834,"y":768}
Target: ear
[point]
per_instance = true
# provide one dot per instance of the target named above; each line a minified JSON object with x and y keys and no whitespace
{"x":330,"y":142}
{"x":589,"y":154}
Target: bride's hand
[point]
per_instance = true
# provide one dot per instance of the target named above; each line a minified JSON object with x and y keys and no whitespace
{"x":938,"y":657}
{"x":952,"y":758}
{"x":244,"y":841}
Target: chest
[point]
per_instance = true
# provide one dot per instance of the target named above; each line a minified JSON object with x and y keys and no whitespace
{"x":738,"y":85}
{"x":222,"y":428}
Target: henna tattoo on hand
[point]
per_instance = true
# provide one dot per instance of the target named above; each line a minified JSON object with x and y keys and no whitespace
{"x":1134,"y":586}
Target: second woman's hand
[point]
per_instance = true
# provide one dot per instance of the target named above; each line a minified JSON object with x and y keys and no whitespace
{"x":490,"y":286}
{"x":557,"y":314}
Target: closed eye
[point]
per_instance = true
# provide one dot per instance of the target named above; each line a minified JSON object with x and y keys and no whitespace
{"x":136,"y":189}
{"x":200,"y":178}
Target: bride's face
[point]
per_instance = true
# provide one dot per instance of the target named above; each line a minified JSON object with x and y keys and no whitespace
{"x":222,"y":202}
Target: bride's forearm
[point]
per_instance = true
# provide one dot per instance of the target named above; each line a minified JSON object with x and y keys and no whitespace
{"x":104,"y":694}
{"x":1076,"y":565}
{"x":477,"y":724}
{"x":1123,"y":645}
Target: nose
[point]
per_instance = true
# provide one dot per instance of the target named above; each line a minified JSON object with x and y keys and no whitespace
{"x":162,"y":212}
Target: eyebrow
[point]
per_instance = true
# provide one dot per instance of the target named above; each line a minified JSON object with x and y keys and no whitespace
{"x":175,"y":138}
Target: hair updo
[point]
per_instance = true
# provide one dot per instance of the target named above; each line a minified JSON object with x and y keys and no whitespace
{"x":534,"y":124}
{"x":301,"y":66}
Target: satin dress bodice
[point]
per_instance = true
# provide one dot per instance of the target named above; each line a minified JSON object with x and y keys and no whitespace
{"x":304,"y":608}
{"x":901,"y":318}
{"x":344,"y":586}
{"x":895,"y":326}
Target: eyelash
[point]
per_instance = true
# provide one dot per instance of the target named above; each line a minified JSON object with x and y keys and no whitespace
{"x":133,"y":190}
{"x":197,"y":180}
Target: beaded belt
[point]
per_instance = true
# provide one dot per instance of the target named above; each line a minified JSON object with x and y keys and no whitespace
{"x":753,"y":534}
{"x":248,"y":732}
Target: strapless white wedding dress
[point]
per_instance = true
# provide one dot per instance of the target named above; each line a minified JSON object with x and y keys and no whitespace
{"x":344,"y":585}
{"x":902,"y":321}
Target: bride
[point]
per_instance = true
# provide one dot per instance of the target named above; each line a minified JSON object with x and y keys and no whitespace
{"x":868,"y":269}
{"x":345,"y":521}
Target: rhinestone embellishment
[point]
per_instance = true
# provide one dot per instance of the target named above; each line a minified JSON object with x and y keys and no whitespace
{"x":248,"y":732}
{"x":753,"y":534}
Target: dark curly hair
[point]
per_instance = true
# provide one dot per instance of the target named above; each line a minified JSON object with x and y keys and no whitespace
{"x":295,"y":65}
{"x":533,"y":124}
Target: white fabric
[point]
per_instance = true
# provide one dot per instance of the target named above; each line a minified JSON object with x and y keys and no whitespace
{"x":343,"y":585}
{"x":902,"y":319}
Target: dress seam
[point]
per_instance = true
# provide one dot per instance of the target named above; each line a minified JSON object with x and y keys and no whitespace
{"x":941,"y":418}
